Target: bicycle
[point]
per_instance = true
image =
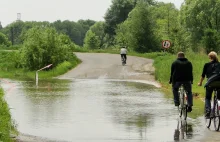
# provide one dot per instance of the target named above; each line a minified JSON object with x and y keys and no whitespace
{"x":183,"y":102}
{"x":214,"y":114}
{"x":123,"y":60}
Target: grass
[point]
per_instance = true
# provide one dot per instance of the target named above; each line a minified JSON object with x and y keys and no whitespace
{"x":6,"y":127}
{"x":162,"y":64}
{"x":8,"y":70}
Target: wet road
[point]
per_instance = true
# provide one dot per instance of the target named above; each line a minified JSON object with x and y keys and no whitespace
{"x":100,"y":101}
{"x":96,"y":110}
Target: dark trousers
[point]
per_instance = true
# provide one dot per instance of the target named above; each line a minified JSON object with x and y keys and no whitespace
{"x":208,"y":97}
{"x":124,"y":56}
{"x":188,"y":88}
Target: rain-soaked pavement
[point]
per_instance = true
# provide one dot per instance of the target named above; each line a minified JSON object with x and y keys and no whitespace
{"x":97,"y":110}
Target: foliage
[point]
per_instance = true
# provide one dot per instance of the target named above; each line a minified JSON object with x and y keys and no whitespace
{"x":98,"y":30}
{"x":5,"y":119}
{"x":137,"y":30}
{"x":4,"y":40}
{"x":8,"y":60}
{"x":91,"y":40}
{"x":116,"y":14}
{"x":75,"y":30}
{"x":44,"y":46}
{"x":211,"y":40}
{"x":198,"y":18}
{"x":70,"y":28}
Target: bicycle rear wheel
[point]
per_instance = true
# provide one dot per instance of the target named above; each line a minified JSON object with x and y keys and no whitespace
{"x":207,"y":119}
{"x":216,"y":115}
{"x":123,"y":61}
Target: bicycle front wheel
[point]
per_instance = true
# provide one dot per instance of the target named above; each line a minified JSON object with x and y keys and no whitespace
{"x":216,"y":115}
{"x":185,"y":112}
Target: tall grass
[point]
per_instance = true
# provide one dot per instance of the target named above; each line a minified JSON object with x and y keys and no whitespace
{"x":163,"y":67}
{"x":8,"y":67}
{"x":5,"y":120}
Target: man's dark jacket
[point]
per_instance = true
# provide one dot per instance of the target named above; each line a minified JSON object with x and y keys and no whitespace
{"x":181,"y":71}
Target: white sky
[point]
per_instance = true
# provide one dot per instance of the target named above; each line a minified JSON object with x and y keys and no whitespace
{"x":52,"y":10}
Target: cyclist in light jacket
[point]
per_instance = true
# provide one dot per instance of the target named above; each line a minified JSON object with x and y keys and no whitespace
{"x":123,"y":53}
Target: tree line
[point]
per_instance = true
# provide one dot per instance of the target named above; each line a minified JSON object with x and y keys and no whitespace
{"x":141,"y":25}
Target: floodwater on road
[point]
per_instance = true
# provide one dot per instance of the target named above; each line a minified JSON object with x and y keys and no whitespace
{"x":96,"y":110}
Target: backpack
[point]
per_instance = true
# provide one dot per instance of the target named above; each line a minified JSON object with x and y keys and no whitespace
{"x":214,"y":78}
{"x":216,"y":68}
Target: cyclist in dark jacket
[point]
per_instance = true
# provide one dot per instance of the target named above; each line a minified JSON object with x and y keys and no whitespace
{"x":207,"y":71}
{"x":182,"y":73}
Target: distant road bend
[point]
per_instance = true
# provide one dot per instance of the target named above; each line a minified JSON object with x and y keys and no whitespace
{"x":108,"y":66}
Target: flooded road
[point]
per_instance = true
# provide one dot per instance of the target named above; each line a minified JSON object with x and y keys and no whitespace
{"x":83,"y":110}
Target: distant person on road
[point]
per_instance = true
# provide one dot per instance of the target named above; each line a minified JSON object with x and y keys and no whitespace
{"x":182,"y":73}
{"x":123,"y":53}
{"x":207,"y":71}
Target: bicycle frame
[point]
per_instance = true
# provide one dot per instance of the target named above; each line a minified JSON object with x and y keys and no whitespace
{"x":183,"y":99}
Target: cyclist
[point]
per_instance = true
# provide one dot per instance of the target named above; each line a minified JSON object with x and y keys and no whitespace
{"x":123,"y":53}
{"x":182,"y":73}
{"x":207,"y":71}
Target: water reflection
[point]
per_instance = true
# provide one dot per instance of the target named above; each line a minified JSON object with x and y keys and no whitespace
{"x":183,"y":130}
{"x":92,"y":110}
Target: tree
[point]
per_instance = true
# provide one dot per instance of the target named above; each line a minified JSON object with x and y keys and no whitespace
{"x":116,"y":14}
{"x":43,"y":46}
{"x":198,"y":16}
{"x":211,"y":40}
{"x":137,"y":31}
{"x":4,"y":40}
{"x":98,"y":30}
{"x":167,"y":26}
{"x":91,"y":40}
{"x":72,"y":29}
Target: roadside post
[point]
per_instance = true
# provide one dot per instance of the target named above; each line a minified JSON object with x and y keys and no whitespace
{"x":36,"y":76}
{"x":166,"y":45}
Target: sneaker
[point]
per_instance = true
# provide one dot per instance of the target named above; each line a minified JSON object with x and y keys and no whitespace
{"x":177,"y":103}
{"x":189,"y":109}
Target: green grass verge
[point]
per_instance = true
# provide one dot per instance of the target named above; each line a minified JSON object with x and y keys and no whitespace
{"x":6,"y":127}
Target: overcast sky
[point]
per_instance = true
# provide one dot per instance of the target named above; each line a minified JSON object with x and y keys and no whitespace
{"x":52,"y":10}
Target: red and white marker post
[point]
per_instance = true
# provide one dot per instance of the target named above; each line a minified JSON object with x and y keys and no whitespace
{"x":36,"y":76}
